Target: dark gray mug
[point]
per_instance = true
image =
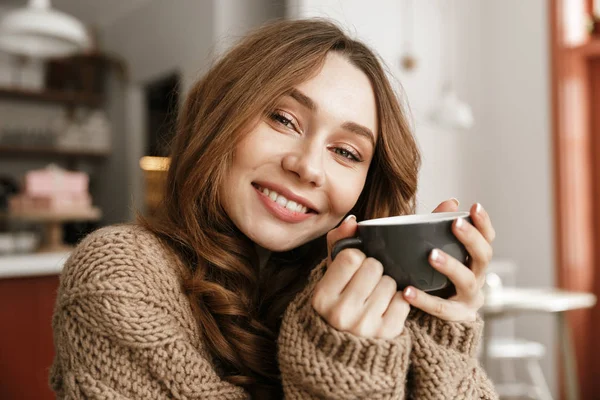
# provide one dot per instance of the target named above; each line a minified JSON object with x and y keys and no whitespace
{"x":403,"y":244}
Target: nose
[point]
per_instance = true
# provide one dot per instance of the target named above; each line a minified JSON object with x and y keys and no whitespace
{"x":307,"y":164}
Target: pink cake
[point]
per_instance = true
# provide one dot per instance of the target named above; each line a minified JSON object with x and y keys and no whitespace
{"x":53,"y":189}
{"x":55,"y":181}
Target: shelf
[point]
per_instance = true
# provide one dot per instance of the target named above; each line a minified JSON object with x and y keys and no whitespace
{"x":51,"y":96}
{"x":15,"y":151}
{"x":53,"y":224}
{"x":93,"y":214}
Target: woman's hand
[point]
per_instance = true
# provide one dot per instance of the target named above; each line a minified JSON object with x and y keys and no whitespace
{"x":354,"y":296}
{"x":468,"y":281}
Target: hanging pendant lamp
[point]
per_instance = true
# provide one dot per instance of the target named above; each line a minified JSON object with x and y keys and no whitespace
{"x":409,"y":59}
{"x":42,"y":32}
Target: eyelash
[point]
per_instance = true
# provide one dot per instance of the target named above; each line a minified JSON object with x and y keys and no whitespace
{"x":288,"y":123}
{"x":283,"y":120}
{"x":351,"y":155}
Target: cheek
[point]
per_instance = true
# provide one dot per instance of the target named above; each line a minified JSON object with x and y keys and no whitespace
{"x":248,"y":155}
{"x":345,"y":194}
{"x":258,"y":146}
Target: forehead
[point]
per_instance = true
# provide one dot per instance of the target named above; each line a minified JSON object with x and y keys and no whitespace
{"x":342,"y":93}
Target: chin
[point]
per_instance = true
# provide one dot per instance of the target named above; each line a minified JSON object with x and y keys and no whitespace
{"x":278,"y":242}
{"x":277,"y":246}
{"x":280,"y":237}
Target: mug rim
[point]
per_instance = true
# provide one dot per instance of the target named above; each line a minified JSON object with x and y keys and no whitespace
{"x":412,"y":219}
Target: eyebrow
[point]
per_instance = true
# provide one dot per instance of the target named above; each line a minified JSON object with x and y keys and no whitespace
{"x":349,"y":126}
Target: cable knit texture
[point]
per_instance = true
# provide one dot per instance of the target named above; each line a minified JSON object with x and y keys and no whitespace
{"x":124,"y":329}
{"x":317,"y":361}
{"x":443,"y":359}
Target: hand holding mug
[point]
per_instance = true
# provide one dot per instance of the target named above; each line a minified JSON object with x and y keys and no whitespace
{"x":468,"y":281}
{"x":354,"y":296}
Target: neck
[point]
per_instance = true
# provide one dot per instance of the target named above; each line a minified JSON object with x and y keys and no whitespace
{"x":263,"y":255}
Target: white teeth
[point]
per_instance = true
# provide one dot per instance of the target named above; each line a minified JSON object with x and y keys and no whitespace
{"x":291,"y":205}
{"x":282,"y":201}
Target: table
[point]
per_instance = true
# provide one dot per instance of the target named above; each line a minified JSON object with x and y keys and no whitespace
{"x":32,"y":265}
{"x":509,"y":301}
{"x":52,"y":223}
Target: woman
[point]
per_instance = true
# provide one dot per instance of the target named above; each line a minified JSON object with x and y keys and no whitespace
{"x":230,"y":292}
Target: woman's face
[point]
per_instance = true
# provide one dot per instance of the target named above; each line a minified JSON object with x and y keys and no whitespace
{"x":302,"y":167}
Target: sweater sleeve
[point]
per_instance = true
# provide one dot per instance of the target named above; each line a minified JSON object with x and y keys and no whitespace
{"x":443,"y":362}
{"x":318,"y":361}
{"x":122,"y":329}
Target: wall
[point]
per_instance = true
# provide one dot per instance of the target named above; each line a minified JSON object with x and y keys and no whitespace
{"x":233,"y":18}
{"x":504,"y":161}
{"x":160,"y":37}
{"x":511,"y":163}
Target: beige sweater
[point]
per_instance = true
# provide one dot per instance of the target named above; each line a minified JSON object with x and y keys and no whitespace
{"x":123,"y":329}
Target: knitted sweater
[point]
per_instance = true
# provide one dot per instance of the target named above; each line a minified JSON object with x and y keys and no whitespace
{"x":124,"y":329}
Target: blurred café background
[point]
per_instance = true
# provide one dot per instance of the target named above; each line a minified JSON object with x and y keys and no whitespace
{"x":504,"y":97}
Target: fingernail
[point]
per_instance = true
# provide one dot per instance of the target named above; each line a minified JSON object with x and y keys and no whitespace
{"x":409,"y":293}
{"x":348,"y":218}
{"x":454,"y":199}
{"x":460,"y":223}
{"x":436,"y":256}
{"x":478,"y":208}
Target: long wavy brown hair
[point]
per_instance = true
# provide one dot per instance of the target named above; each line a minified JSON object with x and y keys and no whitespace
{"x":239,"y":309}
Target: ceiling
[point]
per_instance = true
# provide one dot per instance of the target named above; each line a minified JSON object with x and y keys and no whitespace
{"x":94,"y":12}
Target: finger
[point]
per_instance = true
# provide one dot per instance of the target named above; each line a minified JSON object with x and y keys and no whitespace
{"x":363,"y":282}
{"x":375,"y":306}
{"x":433,"y":305}
{"x":394,"y":317}
{"x":450,"y":205}
{"x":462,"y":277}
{"x":480,"y":251}
{"x":380,"y":298}
{"x":346,"y":229}
{"x":341,"y":271}
{"x":482,"y":221}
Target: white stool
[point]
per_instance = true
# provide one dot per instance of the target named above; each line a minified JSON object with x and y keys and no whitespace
{"x":509,"y":350}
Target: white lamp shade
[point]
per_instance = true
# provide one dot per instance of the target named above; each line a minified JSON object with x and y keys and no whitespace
{"x":452,"y":113}
{"x":42,"y":32}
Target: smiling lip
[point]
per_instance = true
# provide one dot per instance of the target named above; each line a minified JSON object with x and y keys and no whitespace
{"x":280,"y":211}
{"x":288,"y":195}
